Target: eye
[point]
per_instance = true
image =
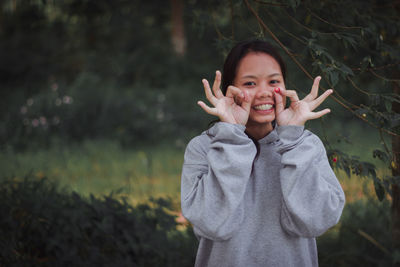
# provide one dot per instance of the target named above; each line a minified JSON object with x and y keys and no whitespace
{"x":249,"y":84}
{"x":274,"y":82}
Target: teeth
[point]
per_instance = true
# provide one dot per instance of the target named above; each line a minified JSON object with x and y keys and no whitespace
{"x":263,"y":107}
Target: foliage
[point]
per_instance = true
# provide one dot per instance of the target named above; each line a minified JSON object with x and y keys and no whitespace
{"x":353,"y":45}
{"x":43,"y":226}
{"x":362,"y":238}
{"x":92,"y":108}
{"x":352,"y":165}
{"x":113,"y":58}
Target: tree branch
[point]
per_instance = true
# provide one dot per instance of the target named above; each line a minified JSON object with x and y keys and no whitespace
{"x":267,"y":29}
{"x":333,"y":24}
{"x":269,"y":3}
{"x":383,"y":78}
{"x":284,"y":30}
{"x":304,"y":26}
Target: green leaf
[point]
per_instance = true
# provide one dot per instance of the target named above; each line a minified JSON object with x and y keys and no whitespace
{"x":382,"y":155}
{"x":374,"y":100}
{"x":388,"y":105}
{"x":334,"y":77}
{"x":313,"y":34}
{"x":294,"y":3}
{"x":346,"y":69}
{"x":379,"y":189}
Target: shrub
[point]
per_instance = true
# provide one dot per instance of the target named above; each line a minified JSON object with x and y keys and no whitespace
{"x":89,"y":107}
{"x":44,"y":226}
{"x":362,"y":238}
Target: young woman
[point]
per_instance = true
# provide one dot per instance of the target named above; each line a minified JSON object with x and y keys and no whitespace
{"x":257,"y":187}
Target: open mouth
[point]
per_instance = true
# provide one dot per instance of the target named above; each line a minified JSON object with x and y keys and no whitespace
{"x":263,"y":107}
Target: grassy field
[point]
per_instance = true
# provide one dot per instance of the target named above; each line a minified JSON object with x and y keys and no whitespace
{"x":101,"y":166}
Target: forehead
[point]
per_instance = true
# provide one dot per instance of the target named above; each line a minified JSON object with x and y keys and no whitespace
{"x":259,"y":64}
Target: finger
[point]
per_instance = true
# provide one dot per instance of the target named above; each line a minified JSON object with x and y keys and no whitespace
{"x":291,"y":94}
{"x":216,"y":86}
{"x":279,"y":102}
{"x":246,"y":102}
{"x":211,"y":111}
{"x":314,"y":90}
{"x":238,"y":95}
{"x":319,"y":114}
{"x":314,"y":104}
{"x":278,"y":90}
{"x":234,"y":92}
{"x":209,"y":95}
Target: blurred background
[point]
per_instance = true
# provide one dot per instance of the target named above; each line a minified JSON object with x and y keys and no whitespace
{"x":100,"y":96}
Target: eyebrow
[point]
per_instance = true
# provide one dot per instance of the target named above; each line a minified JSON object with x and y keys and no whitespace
{"x":274,"y":74}
{"x":254,"y":77}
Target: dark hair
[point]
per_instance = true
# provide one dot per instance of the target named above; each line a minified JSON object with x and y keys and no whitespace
{"x":239,"y":51}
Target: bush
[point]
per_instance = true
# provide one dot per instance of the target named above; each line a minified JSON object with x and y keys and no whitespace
{"x":44,"y":226}
{"x":89,"y":108}
{"x":362,"y":238}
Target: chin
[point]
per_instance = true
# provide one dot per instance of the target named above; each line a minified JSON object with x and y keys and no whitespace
{"x":260,"y":121}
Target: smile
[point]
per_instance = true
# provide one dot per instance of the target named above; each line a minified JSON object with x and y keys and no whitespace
{"x":263,"y":107}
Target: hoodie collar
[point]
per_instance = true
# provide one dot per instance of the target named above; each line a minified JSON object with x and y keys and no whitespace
{"x":270,"y":137}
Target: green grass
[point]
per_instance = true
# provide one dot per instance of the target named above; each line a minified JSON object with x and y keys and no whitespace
{"x":100,"y":167}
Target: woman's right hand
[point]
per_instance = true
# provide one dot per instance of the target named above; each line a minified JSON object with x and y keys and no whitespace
{"x":233,"y":108}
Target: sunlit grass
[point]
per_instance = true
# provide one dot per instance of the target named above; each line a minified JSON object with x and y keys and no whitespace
{"x":100,"y":167}
{"x":359,"y":188}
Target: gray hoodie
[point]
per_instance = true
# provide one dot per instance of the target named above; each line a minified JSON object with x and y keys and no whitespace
{"x":258,"y":210}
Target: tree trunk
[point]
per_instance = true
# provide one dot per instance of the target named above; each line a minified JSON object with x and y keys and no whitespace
{"x":396,"y":172}
{"x":177,"y":32}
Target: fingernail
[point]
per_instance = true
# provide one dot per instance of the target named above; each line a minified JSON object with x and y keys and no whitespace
{"x":277,"y":89}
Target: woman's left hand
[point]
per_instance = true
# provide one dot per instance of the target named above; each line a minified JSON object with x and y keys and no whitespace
{"x":299,"y":111}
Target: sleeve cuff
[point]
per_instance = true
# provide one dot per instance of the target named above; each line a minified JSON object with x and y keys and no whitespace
{"x":289,"y":133}
{"x":227,"y":130}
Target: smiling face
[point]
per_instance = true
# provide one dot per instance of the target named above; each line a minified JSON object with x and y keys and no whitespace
{"x":258,"y":73}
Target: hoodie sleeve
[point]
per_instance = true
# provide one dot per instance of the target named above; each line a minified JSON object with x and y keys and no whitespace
{"x":214,"y":178}
{"x":313,"y":199}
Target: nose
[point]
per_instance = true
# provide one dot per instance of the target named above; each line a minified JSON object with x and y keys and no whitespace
{"x":264,"y":91}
